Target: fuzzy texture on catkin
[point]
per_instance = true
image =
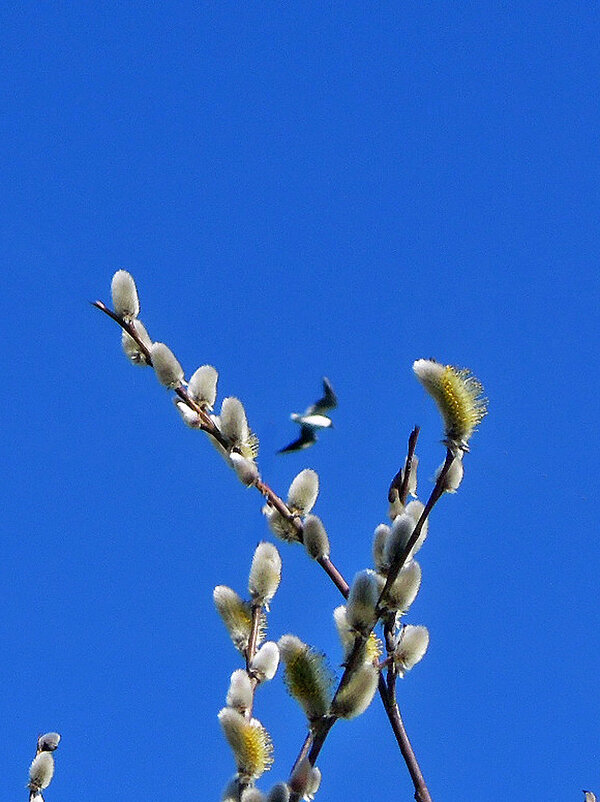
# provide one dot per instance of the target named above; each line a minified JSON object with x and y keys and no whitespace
{"x":240,"y":693}
{"x":132,"y":350}
{"x":249,"y":742}
{"x":357,"y":694}
{"x":404,"y":589}
{"x":453,"y":477}
{"x":265,"y":573}
{"x":236,"y":615}
{"x":124,"y":293}
{"x":48,"y":742}
{"x":362,"y":601}
{"x":395,"y":545}
{"x":307,"y":677}
{"x":458,"y":395}
{"x":281,"y":527}
{"x":234,"y":425}
{"x":189,"y":416}
{"x":411,"y":647}
{"x":202,"y":386}
{"x":168,"y":370}
{"x":252,"y":795}
{"x":265,"y":662}
{"x":279,"y":793}
{"x":315,"y":538}
{"x":246,"y":469}
{"x":380,"y":536}
{"x":41,"y":771}
{"x":303,"y":492}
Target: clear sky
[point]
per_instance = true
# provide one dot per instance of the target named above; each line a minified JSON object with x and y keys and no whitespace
{"x":300,"y":189}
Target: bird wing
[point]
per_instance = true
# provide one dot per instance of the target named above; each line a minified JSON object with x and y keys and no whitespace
{"x":328,"y":401}
{"x":306,"y":439}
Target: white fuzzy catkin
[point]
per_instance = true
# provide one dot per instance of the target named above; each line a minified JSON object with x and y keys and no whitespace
{"x":404,"y":590}
{"x":124,"y":293}
{"x":357,"y":694}
{"x":189,"y":416}
{"x":303,"y":492}
{"x":395,"y":545}
{"x":202,"y":386}
{"x":280,"y":526}
{"x":380,"y":536}
{"x":279,"y":793}
{"x":301,"y":777}
{"x":234,"y":424}
{"x":240,"y":693}
{"x":249,"y":742}
{"x":411,"y":647}
{"x":131,"y":348}
{"x":168,"y":370}
{"x":315,"y":538}
{"x":314,"y":784}
{"x":252,"y":795}
{"x":345,"y":633}
{"x":265,"y":662}
{"x":453,"y":477}
{"x":362,"y":601}
{"x":415,"y":509}
{"x":246,"y":469}
{"x":265,"y":573}
{"x":48,"y":742}
{"x":41,"y":771}
{"x":236,"y":615}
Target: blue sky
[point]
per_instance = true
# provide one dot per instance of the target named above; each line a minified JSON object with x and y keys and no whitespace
{"x":299,"y":190}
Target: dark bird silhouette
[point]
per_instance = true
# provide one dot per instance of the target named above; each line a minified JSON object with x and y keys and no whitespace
{"x":313,"y":419}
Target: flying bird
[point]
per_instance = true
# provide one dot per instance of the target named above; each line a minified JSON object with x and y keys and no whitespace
{"x":313,"y":419}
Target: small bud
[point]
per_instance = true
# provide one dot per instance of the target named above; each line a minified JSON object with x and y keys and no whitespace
{"x":404,"y":590}
{"x":315,"y":538}
{"x":411,"y":647}
{"x":265,"y":573}
{"x":395,"y":545}
{"x":168,"y":370}
{"x":245,"y":469}
{"x":125,"y":299}
{"x":303,"y":492}
{"x":453,"y":477}
{"x":589,"y":796}
{"x":252,"y":795}
{"x":357,"y":694}
{"x":279,"y":793}
{"x":265,"y":661}
{"x":189,"y":416}
{"x":314,"y":783}
{"x":202,"y":386}
{"x":411,"y":487}
{"x":236,"y":615}
{"x":362,"y":601}
{"x":307,"y":678}
{"x":249,"y":741}
{"x":131,"y":348}
{"x":301,"y":777}
{"x":382,"y":532}
{"x":48,"y":742}
{"x":240,"y":693}
{"x":41,"y":771}
{"x":458,"y":395}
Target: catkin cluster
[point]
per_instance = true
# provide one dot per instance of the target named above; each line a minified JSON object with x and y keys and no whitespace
{"x":41,"y":770}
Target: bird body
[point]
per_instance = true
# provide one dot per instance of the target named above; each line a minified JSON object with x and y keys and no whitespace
{"x":313,"y":419}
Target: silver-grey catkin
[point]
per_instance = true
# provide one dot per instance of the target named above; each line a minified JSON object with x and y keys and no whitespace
{"x":234,"y":424}
{"x":202,"y":386}
{"x":132,"y":350}
{"x":124,"y":293}
{"x":362,"y":601}
{"x":41,"y":771}
{"x":357,"y":694}
{"x":168,"y":370}
{"x":314,"y":783}
{"x":404,"y":590}
{"x":411,"y":647}
{"x":265,"y":662}
{"x":189,"y":416}
{"x":453,"y":477}
{"x":265,"y":573}
{"x":345,"y":633}
{"x":48,"y":742}
{"x":301,"y":776}
{"x":303,"y":492}
{"x":315,"y":538}
{"x":415,"y":509}
{"x":395,"y":545}
{"x":236,"y":615}
{"x":380,"y":536}
{"x":240,"y":693}
{"x":252,"y":795}
{"x":246,"y":469}
{"x":279,"y":793}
